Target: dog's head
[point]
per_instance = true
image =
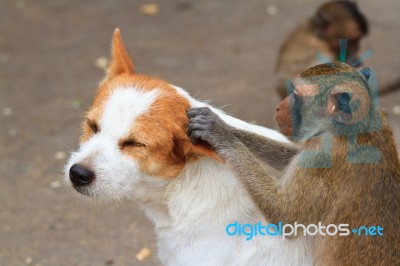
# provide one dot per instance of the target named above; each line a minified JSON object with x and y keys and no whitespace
{"x":135,"y":128}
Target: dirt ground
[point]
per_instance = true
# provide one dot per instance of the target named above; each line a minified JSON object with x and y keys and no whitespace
{"x":49,"y":71}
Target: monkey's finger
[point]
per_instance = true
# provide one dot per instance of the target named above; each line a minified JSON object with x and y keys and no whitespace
{"x":195,"y":126}
{"x":200,"y":119}
{"x":196,"y":135}
{"x":193,"y":140}
{"x":192,"y":112}
{"x":197,"y":111}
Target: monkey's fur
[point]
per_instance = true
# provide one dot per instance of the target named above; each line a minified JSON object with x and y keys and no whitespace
{"x":332,"y":21}
{"x":346,"y":185}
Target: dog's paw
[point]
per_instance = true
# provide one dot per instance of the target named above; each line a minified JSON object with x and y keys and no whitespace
{"x":205,"y":125}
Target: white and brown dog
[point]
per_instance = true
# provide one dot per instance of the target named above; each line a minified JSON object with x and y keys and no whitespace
{"x":134,"y":145}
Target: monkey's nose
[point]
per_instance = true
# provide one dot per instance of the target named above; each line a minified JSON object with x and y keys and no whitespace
{"x":80,"y":176}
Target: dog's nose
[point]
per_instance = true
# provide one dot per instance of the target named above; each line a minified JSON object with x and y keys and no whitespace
{"x":80,"y":175}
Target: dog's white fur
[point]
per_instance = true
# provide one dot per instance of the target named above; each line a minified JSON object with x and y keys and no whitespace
{"x":190,"y":212}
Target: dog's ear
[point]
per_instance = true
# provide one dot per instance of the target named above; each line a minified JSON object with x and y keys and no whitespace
{"x":203,"y":149}
{"x":121,"y":62}
{"x":184,"y":151}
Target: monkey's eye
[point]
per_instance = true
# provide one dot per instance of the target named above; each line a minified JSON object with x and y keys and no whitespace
{"x":130,"y":143}
{"x":295,"y":96}
{"x":93,"y":126}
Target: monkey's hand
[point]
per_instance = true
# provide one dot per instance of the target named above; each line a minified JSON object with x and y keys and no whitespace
{"x":206,"y":126}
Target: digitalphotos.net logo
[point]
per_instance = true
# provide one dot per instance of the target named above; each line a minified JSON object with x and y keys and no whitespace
{"x":249,"y":231}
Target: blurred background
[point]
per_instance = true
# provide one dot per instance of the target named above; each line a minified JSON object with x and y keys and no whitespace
{"x":52,"y":56}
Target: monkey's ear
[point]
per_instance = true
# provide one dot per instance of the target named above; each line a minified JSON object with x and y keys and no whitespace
{"x":348,"y":103}
{"x":365,"y":71}
{"x":339,"y":106}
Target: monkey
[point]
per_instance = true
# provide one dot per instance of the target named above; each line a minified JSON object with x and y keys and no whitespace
{"x":316,"y":41}
{"x":346,"y":168}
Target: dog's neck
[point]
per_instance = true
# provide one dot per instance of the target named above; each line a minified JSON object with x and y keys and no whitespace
{"x":206,"y":193}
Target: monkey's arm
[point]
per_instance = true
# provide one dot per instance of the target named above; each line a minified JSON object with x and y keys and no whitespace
{"x":274,"y":153}
{"x":207,"y":126}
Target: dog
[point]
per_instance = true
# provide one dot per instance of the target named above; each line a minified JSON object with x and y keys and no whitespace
{"x":134,"y":145}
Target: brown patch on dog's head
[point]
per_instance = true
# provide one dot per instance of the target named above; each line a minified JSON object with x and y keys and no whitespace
{"x":157,"y":140}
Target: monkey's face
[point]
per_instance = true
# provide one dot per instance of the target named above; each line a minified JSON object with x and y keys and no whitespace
{"x":302,"y":110}
{"x":330,"y":97}
{"x":341,"y":20}
{"x":346,"y":29}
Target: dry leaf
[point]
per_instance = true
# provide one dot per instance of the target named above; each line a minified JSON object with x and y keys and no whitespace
{"x":396,"y":110}
{"x":143,"y":254}
{"x":55,"y":184}
{"x":149,"y":9}
{"x":101,"y":62}
{"x":272,"y":10}
{"x":7,"y":111}
{"x":60,"y":155}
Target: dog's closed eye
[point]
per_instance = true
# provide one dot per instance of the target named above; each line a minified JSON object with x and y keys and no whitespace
{"x":130,"y":143}
{"x":94,"y":127}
